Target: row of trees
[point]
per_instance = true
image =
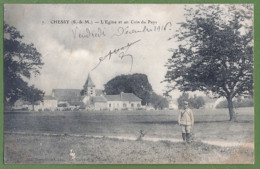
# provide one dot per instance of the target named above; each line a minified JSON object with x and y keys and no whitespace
{"x":194,"y":102}
{"x":237,"y":103}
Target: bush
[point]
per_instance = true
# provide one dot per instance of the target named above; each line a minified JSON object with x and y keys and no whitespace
{"x":62,"y":105}
{"x":67,"y":109}
{"x":25,"y":108}
{"x":76,"y":109}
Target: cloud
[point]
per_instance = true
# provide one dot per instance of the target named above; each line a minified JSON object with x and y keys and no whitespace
{"x":68,"y":60}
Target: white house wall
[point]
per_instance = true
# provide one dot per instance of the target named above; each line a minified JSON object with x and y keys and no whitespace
{"x":100,"y":105}
{"x":119,"y":105}
{"x":50,"y":104}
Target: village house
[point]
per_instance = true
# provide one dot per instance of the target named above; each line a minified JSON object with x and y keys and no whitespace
{"x":49,"y":103}
{"x":89,"y":98}
{"x":123,"y":101}
{"x":211,"y":103}
{"x":94,"y":99}
{"x":173,"y":105}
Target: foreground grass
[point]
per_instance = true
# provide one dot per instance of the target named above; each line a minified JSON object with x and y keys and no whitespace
{"x":33,"y":146}
{"x":89,"y":150}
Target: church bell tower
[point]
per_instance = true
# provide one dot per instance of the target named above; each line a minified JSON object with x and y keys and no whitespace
{"x":89,"y":87}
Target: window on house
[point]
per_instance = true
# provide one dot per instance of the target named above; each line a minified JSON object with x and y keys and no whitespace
{"x":132,"y":105}
{"x":109,"y":105}
{"x":138,"y":105}
{"x":124,"y":105}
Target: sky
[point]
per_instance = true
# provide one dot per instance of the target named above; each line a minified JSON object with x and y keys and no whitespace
{"x":71,"y":50}
{"x":113,"y":39}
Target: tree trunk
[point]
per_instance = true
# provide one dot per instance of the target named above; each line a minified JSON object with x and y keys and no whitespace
{"x":232,"y":114}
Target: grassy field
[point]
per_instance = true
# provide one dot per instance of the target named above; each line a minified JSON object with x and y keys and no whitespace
{"x":48,"y":137}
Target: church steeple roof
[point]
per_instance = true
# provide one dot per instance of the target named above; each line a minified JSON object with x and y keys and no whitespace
{"x":89,"y":82}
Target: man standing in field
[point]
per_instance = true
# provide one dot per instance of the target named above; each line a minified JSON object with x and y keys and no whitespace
{"x":186,"y":121}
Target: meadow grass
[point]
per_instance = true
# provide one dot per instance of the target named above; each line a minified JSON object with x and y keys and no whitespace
{"x":27,"y":141}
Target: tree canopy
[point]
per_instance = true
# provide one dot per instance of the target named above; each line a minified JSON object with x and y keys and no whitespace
{"x":215,"y":52}
{"x":135,"y":83}
{"x":21,"y":61}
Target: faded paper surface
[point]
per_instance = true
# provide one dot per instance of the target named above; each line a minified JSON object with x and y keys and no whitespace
{"x":105,"y":41}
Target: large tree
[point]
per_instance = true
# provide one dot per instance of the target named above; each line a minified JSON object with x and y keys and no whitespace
{"x":215,"y":52}
{"x":32,"y":95}
{"x":135,"y":83}
{"x":21,"y":61}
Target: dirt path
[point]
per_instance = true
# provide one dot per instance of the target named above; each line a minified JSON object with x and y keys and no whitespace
{"x":153,"y":139}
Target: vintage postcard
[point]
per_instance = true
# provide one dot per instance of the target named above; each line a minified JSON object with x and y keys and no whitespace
{"x":128,"y":84}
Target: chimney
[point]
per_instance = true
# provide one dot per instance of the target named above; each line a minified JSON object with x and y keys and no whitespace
{"x":121,"y":95}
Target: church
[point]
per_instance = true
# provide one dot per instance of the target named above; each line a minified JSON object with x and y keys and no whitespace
{"x":89,"y":98}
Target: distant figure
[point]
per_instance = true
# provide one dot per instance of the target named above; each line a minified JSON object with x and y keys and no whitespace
{"x":72,"y":154}
{"x":186,"y":121}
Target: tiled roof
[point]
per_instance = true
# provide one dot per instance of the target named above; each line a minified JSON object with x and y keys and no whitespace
{"x":67,"y":94}
{"x":129,"y":97}
{"x":112,"y":97}
{"x":122,"y":97}
{"x":99,"y":99}
{"x":70,"y":98}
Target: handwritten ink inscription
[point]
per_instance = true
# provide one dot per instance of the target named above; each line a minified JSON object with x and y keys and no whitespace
{"x":122,"y":52}
{"x":145,"y":29}
{"x":88,"y":33}
{"x":90,"y":29}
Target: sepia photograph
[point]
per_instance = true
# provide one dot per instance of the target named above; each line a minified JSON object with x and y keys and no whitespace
{"x":128,"y":84}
